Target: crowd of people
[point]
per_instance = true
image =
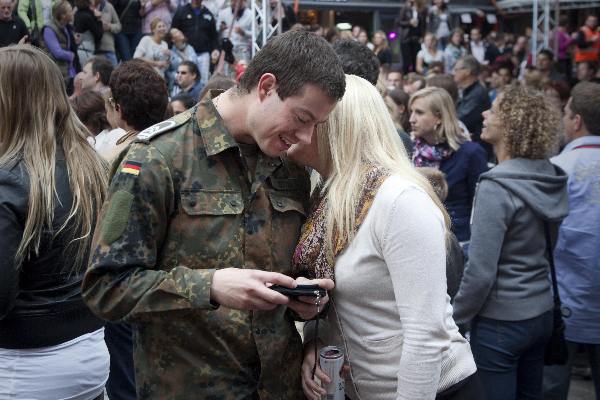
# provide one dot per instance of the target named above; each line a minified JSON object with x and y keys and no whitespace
{"x":150,"y":196}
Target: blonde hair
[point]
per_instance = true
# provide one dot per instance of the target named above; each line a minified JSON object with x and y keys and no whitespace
{"x":439,"y":102}
{"x":384,"y":42}
{"x":360,"y":132}
{"x":154,"y":23}
{"x":31,"y":129}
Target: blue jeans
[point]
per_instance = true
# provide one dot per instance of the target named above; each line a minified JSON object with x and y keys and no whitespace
{"x":510,"y":356}
{"x":126,"y":44}
{"x":558,"y":377}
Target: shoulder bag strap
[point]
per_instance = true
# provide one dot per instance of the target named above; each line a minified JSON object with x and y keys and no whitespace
{"x":33,"y":20}
{"x":549,"y":250}
{"x":125,"y":10}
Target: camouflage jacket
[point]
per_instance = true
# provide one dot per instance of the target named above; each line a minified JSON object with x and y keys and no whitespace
{"x":180,"y":207}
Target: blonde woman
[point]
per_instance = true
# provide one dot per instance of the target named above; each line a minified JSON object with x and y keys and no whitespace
{"x":381,"y":48}
{"x":428,"y":54}
{"x":377,"y":229}
{"x":153,"y":49}
{"x":52,"y":185}
{"x":439,"y":142}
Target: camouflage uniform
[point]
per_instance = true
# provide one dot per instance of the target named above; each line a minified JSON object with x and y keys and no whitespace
{"x":180,"y":207}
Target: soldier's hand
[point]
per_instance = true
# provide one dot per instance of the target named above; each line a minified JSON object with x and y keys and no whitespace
{"x":247,"y":289}
{"x":306,"y":307}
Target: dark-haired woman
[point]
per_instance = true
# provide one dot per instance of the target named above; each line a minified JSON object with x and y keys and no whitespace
{"x":89,"y":27}
{"x":89,"y":107}
{"x":138,"y":99}
{"x":52,"y":185}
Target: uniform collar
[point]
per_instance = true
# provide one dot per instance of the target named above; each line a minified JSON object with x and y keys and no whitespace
{"x":215,"y":135}
{"x":217,"y":138}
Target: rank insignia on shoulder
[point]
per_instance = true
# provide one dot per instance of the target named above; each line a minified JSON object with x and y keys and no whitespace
{"x":164,"y":126}
{"x":131,"y":167}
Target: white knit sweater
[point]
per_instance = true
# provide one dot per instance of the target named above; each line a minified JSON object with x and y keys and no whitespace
{"x":390,"y":300}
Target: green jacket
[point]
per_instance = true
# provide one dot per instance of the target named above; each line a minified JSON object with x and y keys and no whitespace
{"x":180,"y":207}
{"x":23,"y":9}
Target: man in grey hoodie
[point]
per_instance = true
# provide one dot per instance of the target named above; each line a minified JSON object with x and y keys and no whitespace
{"x":506,"y":290}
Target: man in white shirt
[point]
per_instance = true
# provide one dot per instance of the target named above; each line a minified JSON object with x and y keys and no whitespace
{"x":241,"y":35}
{"x":477,"y":46}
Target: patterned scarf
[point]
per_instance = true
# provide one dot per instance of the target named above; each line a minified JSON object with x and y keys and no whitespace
{"x":312,"y":255}
{"x":426,"y":155}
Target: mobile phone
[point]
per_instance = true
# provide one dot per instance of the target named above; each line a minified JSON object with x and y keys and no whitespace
{"x":300,"y":290}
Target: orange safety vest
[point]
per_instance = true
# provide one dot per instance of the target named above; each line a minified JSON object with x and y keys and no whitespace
{"x":591,"y":53}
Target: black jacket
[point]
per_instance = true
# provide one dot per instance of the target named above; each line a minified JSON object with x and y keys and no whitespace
{"x":131,"y":21}
{"x":200,"y":30}
{"x":40,"y":300}
{"x":12,"y":31}
{"x":407,"y":31}
{"x":472,"y":103}
{"x":85,"y":20}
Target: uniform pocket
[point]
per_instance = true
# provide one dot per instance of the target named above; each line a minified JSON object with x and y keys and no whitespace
{"x":206,"y":202}
{"x":283,"y":203}
{"x":209,"y":229}
{"x":289,"y":214}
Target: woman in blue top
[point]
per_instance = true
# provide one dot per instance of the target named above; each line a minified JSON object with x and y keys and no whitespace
{"x":440,"y":143}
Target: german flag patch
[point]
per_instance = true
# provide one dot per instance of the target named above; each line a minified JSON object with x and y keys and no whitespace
{"x":131,"y":167}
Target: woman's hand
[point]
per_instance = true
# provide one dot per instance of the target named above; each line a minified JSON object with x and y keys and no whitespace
{"x":161,"y":64}
{"x":312,"y":390}
{"x":305,"y":306}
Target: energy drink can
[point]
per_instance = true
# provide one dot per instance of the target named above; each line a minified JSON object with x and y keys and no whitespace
{"x":331,"y":359}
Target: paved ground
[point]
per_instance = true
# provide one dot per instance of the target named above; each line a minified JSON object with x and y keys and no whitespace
{"x":581,"y":389}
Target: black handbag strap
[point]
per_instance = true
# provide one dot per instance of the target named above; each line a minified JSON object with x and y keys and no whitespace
{"x":549,"y":250}
{"x":125,"y":10}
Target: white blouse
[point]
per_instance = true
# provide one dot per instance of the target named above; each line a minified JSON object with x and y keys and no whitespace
{"x":390,"y":301}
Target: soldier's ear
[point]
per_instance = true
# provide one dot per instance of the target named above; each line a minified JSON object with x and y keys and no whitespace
{"x":267,"y":86}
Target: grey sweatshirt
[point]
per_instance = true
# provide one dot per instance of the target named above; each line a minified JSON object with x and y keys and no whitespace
{"x":507,"y":276}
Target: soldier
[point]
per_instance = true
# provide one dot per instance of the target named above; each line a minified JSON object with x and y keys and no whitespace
{"x":202,"y":216}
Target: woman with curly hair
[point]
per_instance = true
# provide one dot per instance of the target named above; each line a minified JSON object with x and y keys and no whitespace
{"x":505,"y":292}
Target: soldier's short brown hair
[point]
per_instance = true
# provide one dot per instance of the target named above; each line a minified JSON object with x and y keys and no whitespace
{"x":297,"y":58}
{"x":585,"y":98}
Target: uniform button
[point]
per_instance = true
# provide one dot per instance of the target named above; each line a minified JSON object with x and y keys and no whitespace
{"x":279,"y":204}
{"x":192,"y":203}
{"x":257,"y":331}
{"x":233,"y":203}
